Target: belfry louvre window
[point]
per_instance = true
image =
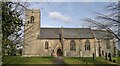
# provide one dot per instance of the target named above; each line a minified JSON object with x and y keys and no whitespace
{"x":87,"y":45}
{"x":72,"y":45}
{"x":46,"y":45}
{"x":32,"y":19}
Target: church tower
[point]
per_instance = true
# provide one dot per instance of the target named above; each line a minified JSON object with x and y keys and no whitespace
{"x":31,"y":31}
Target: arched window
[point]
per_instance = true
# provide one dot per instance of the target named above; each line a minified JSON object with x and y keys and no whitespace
{"x":46,"y":45}
{"x":72,"y":45}
{"x":32,"y":19}
{"x":87,"y":45}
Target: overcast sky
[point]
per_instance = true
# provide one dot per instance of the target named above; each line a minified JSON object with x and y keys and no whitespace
{"x":67,"y":14}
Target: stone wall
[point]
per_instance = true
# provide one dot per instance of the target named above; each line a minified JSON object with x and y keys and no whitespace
{"x":80,"y":48}
{"x":31,"y":32}
{"x":104,"y":47}
{"x":52,"y":45}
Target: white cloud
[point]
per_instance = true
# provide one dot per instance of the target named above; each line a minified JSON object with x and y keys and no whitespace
{"x":58,"y":15}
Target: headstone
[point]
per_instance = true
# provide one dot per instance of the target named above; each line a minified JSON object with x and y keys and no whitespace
{"x":93,"y":56}
{"x":84,"y":61}
{"x":105,"y":56}
{"x":114,"y":61}
{"x":109,"y":55}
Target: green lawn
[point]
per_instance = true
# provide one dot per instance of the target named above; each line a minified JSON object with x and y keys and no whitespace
{"x":118,"y":59}
{"x":88,"y":60}
{"x":26,"y":60}
{"x":49,"y":60}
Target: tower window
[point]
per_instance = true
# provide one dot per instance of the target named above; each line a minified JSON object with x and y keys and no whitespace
{"x":72,"y":45}
{"x":46,"y":45}
{"x":87,"y":45}
{"x":32,"y":19}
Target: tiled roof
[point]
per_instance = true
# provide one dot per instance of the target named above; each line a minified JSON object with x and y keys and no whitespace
{"x":102,"y":34}
{"x":67,"y":32}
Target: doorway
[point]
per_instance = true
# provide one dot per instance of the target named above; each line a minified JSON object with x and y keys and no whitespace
{"x":59,"y":52}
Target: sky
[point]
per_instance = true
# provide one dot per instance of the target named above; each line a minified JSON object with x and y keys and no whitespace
{"x":67,"y":14}
{"x":64,"y":0}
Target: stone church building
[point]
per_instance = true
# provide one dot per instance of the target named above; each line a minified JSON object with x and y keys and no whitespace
{"x":68,"y":42}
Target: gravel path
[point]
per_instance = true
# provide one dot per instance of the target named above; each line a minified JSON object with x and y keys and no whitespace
{"x":58,"y":60}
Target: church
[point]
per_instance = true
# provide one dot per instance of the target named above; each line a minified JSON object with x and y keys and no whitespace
{"x":67,"y":42}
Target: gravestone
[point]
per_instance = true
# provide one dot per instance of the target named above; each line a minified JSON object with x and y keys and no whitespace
{"x":105,"y":56}
{"x":93,"y":56}
{"x":84,"y":61}
{"x":114,"y":61}
{"x":109,"y":55}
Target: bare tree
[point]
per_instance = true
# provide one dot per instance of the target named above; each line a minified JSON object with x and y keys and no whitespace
{"x":110,"y":21}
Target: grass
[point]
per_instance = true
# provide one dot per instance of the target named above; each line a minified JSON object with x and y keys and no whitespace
{"x":49,"y":60}
{"x":26,"y":60}
{"x":118,"y":59}
{"x":88,"y":60}
{"x":71,"y":60}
